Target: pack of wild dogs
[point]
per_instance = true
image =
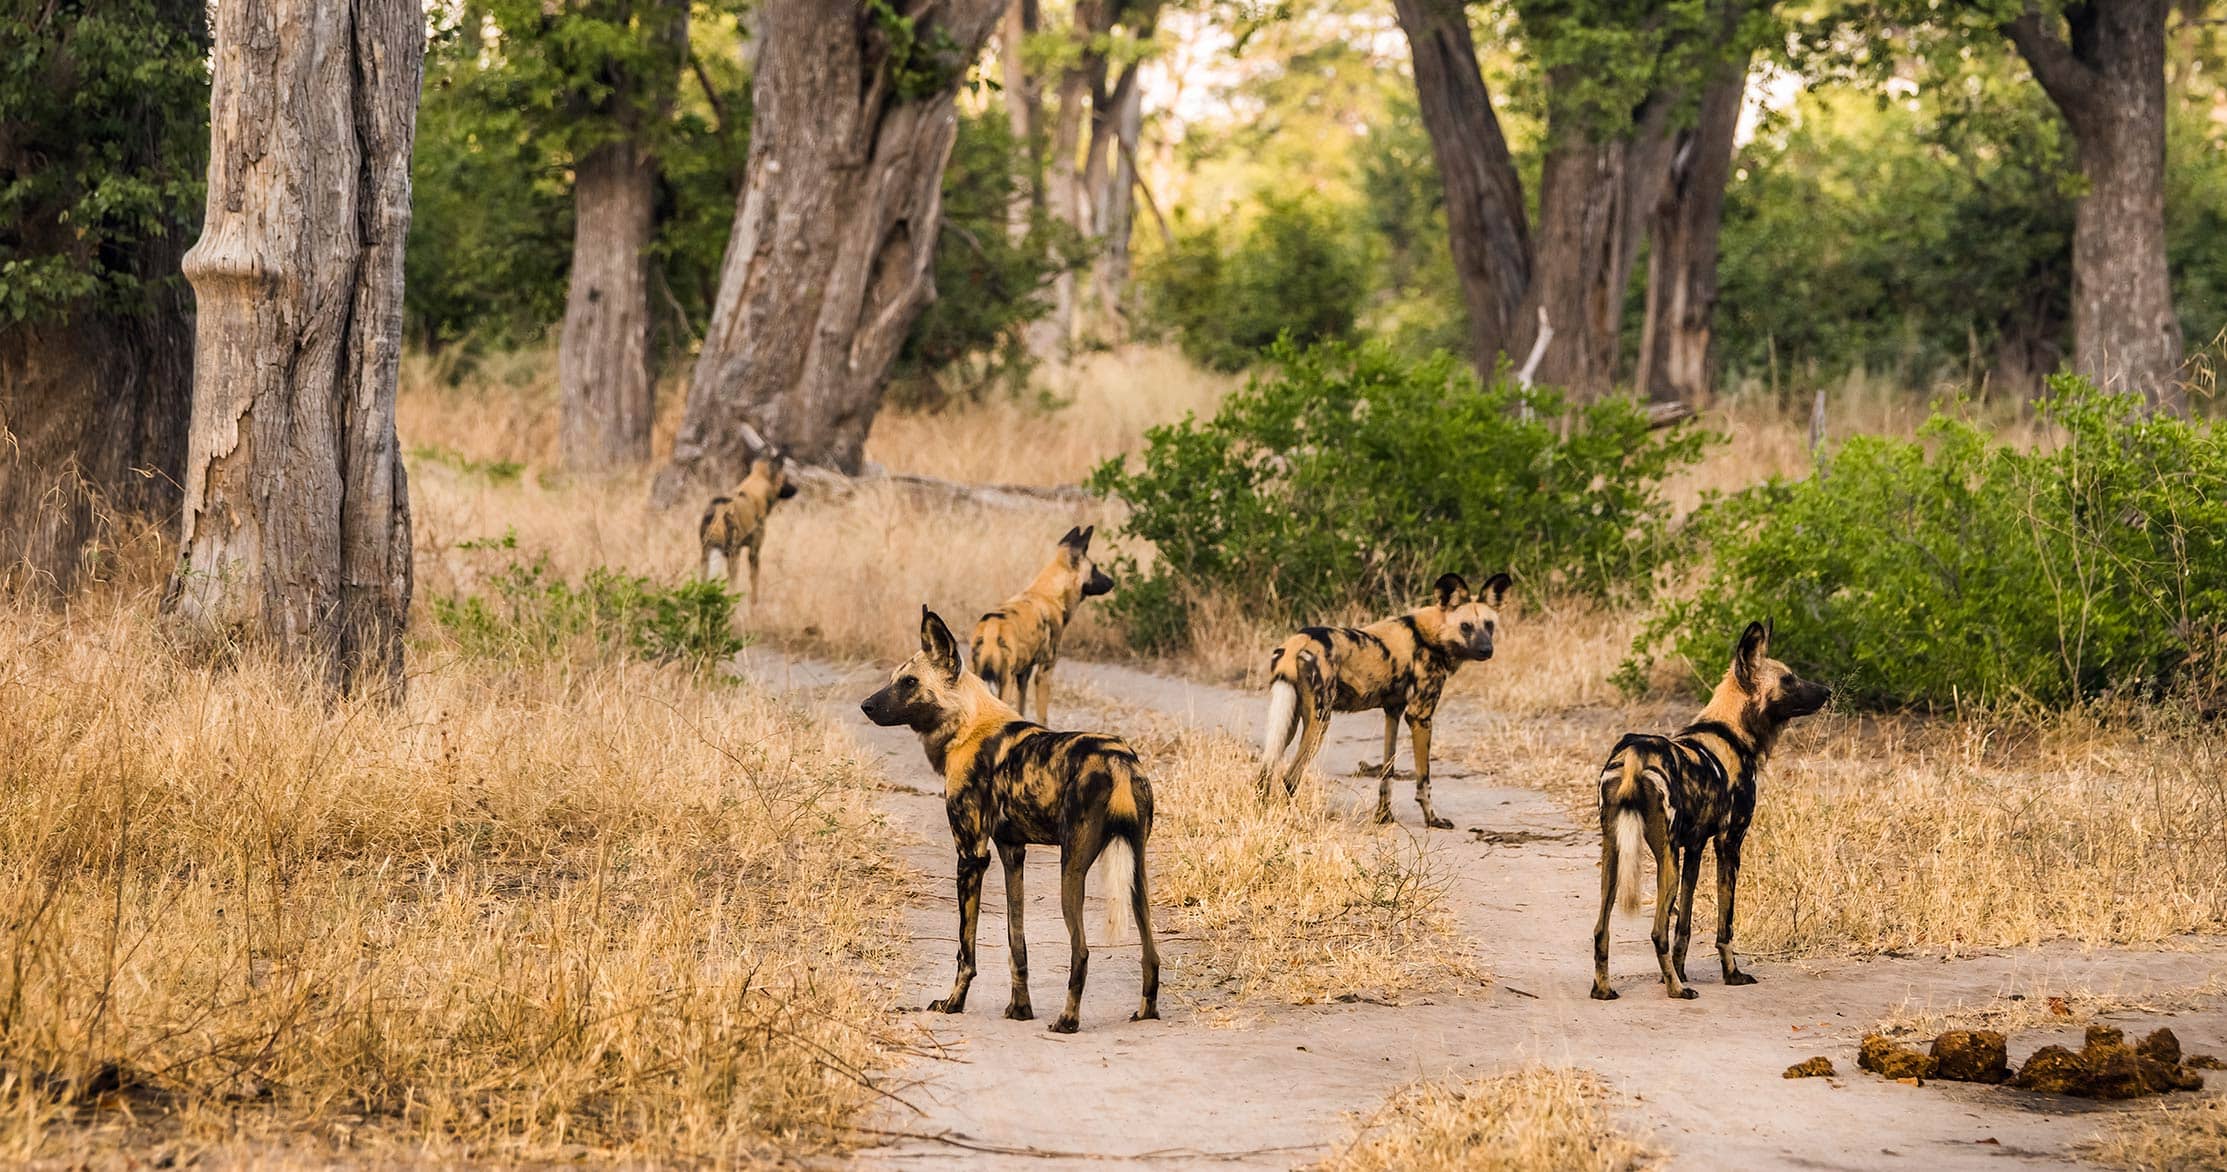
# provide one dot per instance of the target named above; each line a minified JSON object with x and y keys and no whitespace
{"x":1011,"y":783}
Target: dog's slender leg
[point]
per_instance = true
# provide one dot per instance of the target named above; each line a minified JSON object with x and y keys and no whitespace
{"x":970,"y":911}
{"x":1728,"y":880}
{"x":756,"y":543}
{"x":1421,"y":727}
{"x":1689,"y":877}
{"x":1317,"y":721}
{"x":1610,"y":860}
{"x":1074,"y":866}
{"x":1044,"y":694}
{"x":1013,"y":855}
{"x":1384,"y":771}
{"x":1148,"y":1004}
{"x":1666,"y":897}
{"x":1021,"y":677}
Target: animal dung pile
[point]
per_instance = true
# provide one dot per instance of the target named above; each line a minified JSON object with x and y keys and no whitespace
{"x":2106,"y":1067}
{"x":1818,"y":1067}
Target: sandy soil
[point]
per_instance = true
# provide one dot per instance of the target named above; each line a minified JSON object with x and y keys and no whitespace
{"x":1701,"y":1077}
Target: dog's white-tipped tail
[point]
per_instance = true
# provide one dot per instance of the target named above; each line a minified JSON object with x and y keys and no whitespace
{"x":1631,"y":840}
{"x":715,"y":566}
{"x":1117,"y":883}
{"x":1283,"y":709}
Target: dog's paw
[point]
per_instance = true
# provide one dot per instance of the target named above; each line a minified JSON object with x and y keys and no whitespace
{"x":1686,"y":994}
{"x":1065,"y":1025}
{"x":1437,"y":823}
{"x":1020,"y":1011}
{"x":1384,"y":815}
{"x":1738,"y":978}
{"x":947,"y":1005}
{"x":1604,"y":993}
{"x":1152,"y":1014}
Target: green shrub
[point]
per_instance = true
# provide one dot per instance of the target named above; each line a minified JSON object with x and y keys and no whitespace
{"x":1958,"y":570}
{"x":527,"y":613}
{"x":1297,"y":271}
{"x":1354,"y":478}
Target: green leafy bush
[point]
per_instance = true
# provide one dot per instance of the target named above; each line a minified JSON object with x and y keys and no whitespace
{"x":1297,"y":270}
{"x":1354,"y":478}
{"x":528,"y":613}
{"x":1958,"y":570}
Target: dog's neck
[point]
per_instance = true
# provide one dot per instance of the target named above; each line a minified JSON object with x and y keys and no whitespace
{"x":1061,"y":583}
{"x":977,"y":709}
{"x":1736,"y":708}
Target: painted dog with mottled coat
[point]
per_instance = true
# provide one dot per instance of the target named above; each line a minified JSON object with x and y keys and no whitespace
{"x":1680,"y":794}
{"x":736,"y":523}
{"x":1400,"y":665}
{"x":1010,"y":784}
{"x":1019,"y":641}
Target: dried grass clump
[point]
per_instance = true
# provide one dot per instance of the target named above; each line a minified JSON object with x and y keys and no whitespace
{"x":2163,"y":1139}
{"x":529,"y":913}
{"x":1285,"y":900}
{"x":1525,"y":1120}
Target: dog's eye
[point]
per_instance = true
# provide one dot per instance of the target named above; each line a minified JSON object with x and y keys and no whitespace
{"x":1468,"y":628}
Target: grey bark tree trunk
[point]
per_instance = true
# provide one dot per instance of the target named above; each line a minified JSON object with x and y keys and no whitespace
{"x":1110,"y":176}
{"x":832,"y":253}
{"x":1024,"y":109}
{"x":1050,"y":336}
{"x":606,"y":389}
{"x":1674,"y":364}
{"x":2107,"y":78}
{"x":1486,"y":221}
{"x":297,"y":517}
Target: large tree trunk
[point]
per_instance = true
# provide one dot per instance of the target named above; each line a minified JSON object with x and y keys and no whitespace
{"x":297,"y":517}
{"x":607,"y":393}
{"x":1050,"y":336}
{"x":833,"y":248}
{"x":1674,"y":365}
{"x":1109,"y":180}
{"x":1485,"y":216}
{"x":1593,"y":197}
{"x":2108,"y":80}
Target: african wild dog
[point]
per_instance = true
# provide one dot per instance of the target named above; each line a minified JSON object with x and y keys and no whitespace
{"x":1399,"y":665}
{"x":737,"y":522}
{"x":1020,"y":639}
{"x":1681,"y":793}
{"x":1010,"y":783}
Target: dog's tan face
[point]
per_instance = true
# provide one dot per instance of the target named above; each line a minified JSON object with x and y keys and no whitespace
{"x":923,"y":690}
{"x":1468,"y":622}
{"x":1774,"y":691}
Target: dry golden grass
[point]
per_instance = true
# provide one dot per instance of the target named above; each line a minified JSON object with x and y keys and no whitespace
{"x":2167,"y":1138}
{"x":1527,"y":1120}
{"x":532,"y":913}
{"x":2043,"y":1007}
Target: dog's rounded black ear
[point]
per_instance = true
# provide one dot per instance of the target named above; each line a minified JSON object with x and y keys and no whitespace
{"x":1453,"y":590}
{"x":787,"y":490}
{"x":1496,"y":588}
{"x":1754,"y":643}
{"x":936,"y":640}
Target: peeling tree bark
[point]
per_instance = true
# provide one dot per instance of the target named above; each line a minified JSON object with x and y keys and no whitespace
{"x":2107,"y":78}
{"x":1024,"y":109}
{"x":297,"y":517}
{"x":604,"y":379}
{"x":832,"y":253}
{"x":1675,"y":336}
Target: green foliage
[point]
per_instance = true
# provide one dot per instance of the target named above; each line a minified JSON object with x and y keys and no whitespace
{"x":527,"y":613}
{"x":989,"y":286}
{"x":492,"y":471}
{"x":104,"y":144}
{"x":920,"y":64}
{"x":1419,"y":305}
{"x":1353,"y":478}
{"x":1296,"y":271}
{"x":1961,"y":570}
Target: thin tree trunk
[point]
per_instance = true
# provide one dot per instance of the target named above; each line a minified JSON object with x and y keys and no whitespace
{"x":1117,"y":215}
{"x":603,"y":355}
{"x":1050,"y":336}
{"x":1674,"y":364}
{"x":2107,"y":77}
{"x":606,"y":385}
{"x":1485,"y":218}
{"x":297,"y":517}
{"x":832,"y":253}
{"x":1024,"y":110}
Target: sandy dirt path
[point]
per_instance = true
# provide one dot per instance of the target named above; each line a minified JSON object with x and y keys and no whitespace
{"x":1701,"y":1077}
